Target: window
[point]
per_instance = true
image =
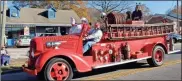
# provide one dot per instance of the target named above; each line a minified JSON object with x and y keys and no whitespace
{"x":51,"y":13}
{"x":14,"y":12}
{"x":50,"y":30}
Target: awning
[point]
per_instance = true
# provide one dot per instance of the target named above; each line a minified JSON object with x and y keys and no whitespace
{"x":20,"y":25}
{"x":34,"y":24}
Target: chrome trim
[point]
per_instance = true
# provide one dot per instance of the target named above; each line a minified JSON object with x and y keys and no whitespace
{"x":122,"y":62}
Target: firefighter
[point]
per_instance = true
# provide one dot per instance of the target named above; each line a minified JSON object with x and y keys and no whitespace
{"x":76,"y":28}
{"x":94,"y":36}
{"x":137,"y":14}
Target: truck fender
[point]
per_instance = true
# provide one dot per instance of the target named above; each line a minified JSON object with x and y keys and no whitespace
{"x":163,"y":46}
{"x":152,"y":46}
{"x":80,"y":64}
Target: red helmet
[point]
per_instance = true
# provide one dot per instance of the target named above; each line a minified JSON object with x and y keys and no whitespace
{"x":97,"y":25}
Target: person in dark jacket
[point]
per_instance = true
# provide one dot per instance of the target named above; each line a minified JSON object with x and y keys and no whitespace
{"x":128,"y":13}
{"x":137,"y":14}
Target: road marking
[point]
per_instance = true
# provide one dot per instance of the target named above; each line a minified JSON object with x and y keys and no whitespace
{"x":115,"y":75}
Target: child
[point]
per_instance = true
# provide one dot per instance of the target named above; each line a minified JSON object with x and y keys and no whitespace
{"x":5,"y":58}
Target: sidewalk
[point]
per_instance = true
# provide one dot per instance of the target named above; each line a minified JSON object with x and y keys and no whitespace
{"x":17,"y":53}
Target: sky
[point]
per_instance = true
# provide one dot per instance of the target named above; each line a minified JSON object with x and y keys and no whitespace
{"x":160,"y":7}
{"x":156,"y":7}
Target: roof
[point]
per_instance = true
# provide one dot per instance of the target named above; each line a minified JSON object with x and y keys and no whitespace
{"x":146,"y":18}
{"x":32,"y":16}
{"x":16,"y":7}
{"x":158,"y":19}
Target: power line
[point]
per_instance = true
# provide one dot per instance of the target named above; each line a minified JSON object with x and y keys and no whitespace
{"x":172,"y":7}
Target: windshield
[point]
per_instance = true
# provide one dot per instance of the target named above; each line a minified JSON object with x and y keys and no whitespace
{"x":75,"y":30}
{"x":25,"y":37}
{"x":177,"y":35}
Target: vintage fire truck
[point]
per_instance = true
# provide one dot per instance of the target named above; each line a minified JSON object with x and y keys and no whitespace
{"x":58,"y":57}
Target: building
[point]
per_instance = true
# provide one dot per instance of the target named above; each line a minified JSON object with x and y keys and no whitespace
{"x":173,"y":15}
{"x":34,"y":22}
{"x":158,"y":18}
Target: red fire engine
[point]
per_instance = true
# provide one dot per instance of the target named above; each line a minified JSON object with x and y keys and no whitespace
{"x":58,"y":57}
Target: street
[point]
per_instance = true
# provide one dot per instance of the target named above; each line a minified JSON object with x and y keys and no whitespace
{"x":170,"y":70}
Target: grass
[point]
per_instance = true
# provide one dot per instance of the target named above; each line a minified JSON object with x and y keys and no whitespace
{"x":15,"y":64}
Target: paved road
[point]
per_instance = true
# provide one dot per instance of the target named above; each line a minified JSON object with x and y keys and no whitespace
{"x":171,"y":70}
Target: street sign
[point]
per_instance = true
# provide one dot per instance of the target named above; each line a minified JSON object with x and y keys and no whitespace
{"x":26,"y":31}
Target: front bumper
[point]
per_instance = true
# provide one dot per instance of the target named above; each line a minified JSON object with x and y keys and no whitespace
{"x":23,"y":45}
{"x":29,"y":70}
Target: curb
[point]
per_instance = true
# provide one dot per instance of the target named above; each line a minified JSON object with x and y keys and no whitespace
{"x":170,"y":52}
{"x":12,"y":71}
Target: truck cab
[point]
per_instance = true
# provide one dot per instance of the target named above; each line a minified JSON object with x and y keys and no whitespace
{"x":58,"y":57}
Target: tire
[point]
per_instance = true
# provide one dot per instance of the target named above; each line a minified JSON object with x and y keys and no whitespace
{"x":157,"y":58}
{"x":56,"y":65}
{"x":40,"y":75}
{"x":135,"y":62}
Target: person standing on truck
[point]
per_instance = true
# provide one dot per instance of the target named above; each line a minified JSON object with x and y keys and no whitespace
{"x":76,"y":28}
{"x":137,"y":14}
{"x":94,"y":36}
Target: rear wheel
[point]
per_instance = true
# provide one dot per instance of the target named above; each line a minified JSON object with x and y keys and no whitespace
{"x":58,"y":69}
{"x":157,"y":56}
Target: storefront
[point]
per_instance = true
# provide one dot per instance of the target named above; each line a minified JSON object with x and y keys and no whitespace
{"x":34,"y":22}
{"x":13,"y":31}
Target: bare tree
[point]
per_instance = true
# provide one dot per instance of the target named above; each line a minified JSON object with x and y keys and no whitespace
{"x":31,"y":4}
{"x":146,"y":11}
{"x":110,"y":6}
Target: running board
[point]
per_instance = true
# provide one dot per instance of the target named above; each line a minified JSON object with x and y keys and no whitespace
{"x":118,"y":63}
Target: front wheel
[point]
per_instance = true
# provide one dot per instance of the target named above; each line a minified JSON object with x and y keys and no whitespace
{"x":157,"y":56}
{"x":58,"y":69}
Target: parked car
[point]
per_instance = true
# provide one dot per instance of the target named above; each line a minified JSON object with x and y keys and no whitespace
{"x":176,"y":37}
{"x":23,"y":40}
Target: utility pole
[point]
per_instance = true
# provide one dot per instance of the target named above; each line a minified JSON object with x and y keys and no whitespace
{"x":3,"y":24}
{"x":0,"y":23}
{"x":0,"y":15}
{"x":177,"y":18}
